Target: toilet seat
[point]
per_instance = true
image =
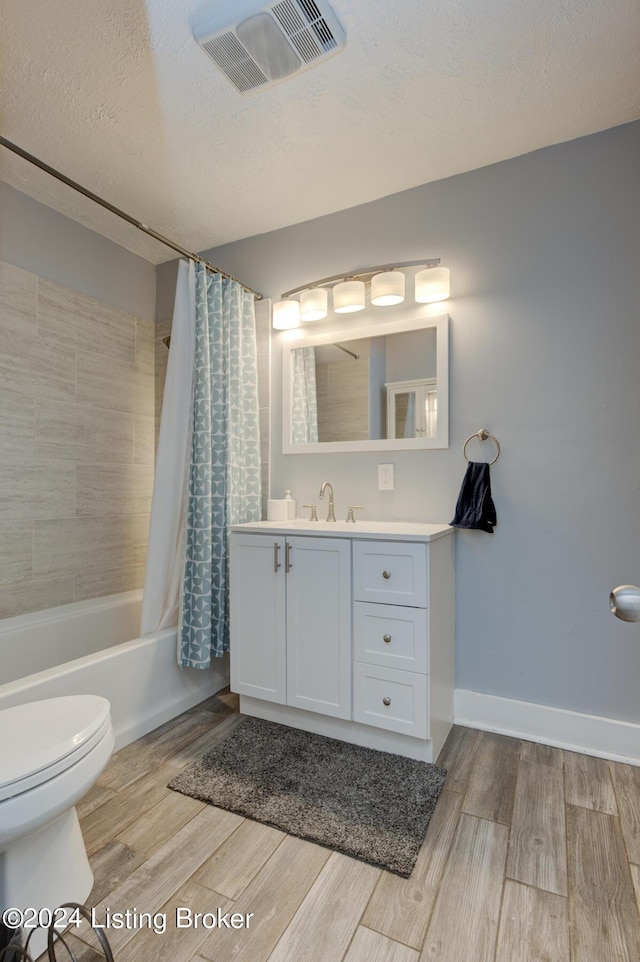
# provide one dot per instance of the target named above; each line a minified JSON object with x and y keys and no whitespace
{"x":40,"y":739}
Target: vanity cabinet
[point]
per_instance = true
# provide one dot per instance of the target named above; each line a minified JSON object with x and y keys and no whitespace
{"x":391,"y":636}
{"x":351,"y":635}
{"x":291,"y":621}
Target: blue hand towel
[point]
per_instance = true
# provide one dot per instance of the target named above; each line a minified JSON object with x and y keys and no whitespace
{"x":475,"y":507}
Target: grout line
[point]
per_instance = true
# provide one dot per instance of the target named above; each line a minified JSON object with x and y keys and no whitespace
{"x":302,"y":901}
{"x":505,"y":877}
{"x":443,"y":873}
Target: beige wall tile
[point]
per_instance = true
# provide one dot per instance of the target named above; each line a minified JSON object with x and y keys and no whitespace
{"x":16,"y":548}
{"x":103,"y":490}
{"x":48,"y":432}
{"x":17,"y":424}
{"x":140,"y":529}
{"x":140,"y":554}
{"x":81,"y":433}
{"x":18,"y":291}
{"x":36,"y":367}
{"x":164,"y":327}
{"x":81,"y":544}
{"x":145,"y":345}
{"x":96,"y":584}
{"x":107,"y":382}
{"x":161,"y":359}
{"x":34,"y":489}
{"x":144,"y":447}
{"x":35,"y":596}
{"x":69,"y":317}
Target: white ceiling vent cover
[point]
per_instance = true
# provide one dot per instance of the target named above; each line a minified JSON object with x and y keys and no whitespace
{"x":272,"y":41}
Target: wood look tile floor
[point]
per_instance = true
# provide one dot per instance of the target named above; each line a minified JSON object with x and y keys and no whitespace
{"x":532,"y":855}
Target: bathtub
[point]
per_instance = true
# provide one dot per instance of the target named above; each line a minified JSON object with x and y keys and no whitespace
{"x":90,"y":647}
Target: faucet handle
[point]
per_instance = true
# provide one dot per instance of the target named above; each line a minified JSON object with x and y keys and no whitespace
{"x":314,"y":514}
{"x":352,"y":508}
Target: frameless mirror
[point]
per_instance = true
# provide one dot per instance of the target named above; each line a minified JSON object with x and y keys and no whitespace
{"x":375,"y":388}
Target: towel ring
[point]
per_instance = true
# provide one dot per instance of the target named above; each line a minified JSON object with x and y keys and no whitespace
{"x":482,"y":435}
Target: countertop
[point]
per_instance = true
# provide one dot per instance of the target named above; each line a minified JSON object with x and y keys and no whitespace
{"x":369,"y":530}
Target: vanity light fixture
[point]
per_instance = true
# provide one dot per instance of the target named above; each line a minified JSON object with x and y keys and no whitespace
{"x":313,"y":304}
{"x":387,"y":288}
{"x":432,"y":284}
{"x":386,"y":285}
{"x":286,"y":314}
{"x":348,"y":297}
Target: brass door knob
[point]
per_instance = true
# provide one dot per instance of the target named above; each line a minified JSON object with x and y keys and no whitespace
{"x":386,"y":575}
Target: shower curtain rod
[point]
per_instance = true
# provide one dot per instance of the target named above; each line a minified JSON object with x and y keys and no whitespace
{"x":122,"y":214}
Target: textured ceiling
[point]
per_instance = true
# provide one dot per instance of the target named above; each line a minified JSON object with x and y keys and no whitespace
{"x":119,"y":97}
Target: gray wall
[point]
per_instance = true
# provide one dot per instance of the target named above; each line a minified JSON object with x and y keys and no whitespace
{"x":40,"y":240}
{"x":545,"y":351}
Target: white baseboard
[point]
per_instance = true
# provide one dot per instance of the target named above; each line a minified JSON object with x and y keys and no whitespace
{"x":577,"y":732}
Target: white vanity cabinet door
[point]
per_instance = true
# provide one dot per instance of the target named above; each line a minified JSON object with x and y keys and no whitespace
{"x":319,"y":625}
{"x":258,"y":616}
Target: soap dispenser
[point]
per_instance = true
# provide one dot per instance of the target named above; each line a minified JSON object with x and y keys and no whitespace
{"x":291,"y":505}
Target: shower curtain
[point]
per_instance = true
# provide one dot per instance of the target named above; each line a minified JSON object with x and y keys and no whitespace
{"x":224,"y":471}
{"x":163,"y":576}
{"x":208,"y":462}
{"x":304,"y":398}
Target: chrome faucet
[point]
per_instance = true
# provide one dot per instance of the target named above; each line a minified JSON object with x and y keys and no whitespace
{"x":331,"y":516}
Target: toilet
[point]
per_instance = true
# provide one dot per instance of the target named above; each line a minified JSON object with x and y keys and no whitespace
{"x":51,"y":753}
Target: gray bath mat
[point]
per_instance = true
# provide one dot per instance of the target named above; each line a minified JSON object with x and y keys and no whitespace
{"x":368,"y":804}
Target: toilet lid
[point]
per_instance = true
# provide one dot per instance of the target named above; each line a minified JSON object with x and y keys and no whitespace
{"x":42,"y":738}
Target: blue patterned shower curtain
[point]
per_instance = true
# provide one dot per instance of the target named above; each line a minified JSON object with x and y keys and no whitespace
{"x":224,"y":470}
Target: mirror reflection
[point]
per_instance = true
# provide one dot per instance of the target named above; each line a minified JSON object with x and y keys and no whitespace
{"x":371,"y":388}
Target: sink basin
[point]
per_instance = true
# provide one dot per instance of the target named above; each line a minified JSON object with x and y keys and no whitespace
{"x":381,"y":530}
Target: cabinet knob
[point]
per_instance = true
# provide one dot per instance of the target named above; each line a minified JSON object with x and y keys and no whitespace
{"x":386,"y":638}
{"x":386,"y":575}
{"x":386,"y":701}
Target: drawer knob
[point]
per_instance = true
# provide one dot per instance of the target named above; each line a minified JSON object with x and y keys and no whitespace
{"x":386,"y":701}
{"x":386,"y":574}
{"x":386,"y":638}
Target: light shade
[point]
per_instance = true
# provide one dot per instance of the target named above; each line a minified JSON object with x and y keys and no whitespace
{"x":387,"y":288}
{"x":286,"y":314}
{"x":348,"y":297}
{"x":432,"y":285}
{"x":313,"y":304}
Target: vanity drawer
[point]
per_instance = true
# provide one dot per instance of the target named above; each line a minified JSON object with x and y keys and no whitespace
{"x":391,"y":636}
{"x":390,"y":699}
{"x":391,"y":573}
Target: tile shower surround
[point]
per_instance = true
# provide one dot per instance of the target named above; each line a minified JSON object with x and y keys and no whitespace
{"x":77,"y":432}
{"x":81,"y":387}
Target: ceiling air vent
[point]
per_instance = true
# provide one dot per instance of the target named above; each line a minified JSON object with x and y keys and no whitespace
{"x":271,"y":42}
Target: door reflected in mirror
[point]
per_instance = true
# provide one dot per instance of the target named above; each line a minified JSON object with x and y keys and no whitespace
{"x":371,"y":392}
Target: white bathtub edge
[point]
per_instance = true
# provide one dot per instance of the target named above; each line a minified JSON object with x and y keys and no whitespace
{"x":219,"y":679}
{"x":140,"y":678}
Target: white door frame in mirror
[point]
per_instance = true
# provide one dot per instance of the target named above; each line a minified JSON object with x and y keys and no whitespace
{"x":413,"y":319}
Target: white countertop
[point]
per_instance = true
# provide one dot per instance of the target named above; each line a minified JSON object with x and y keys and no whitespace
{"x":370,"y":530}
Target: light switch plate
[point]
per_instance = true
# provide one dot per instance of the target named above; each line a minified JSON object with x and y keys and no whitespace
{"x":385,"y":477}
